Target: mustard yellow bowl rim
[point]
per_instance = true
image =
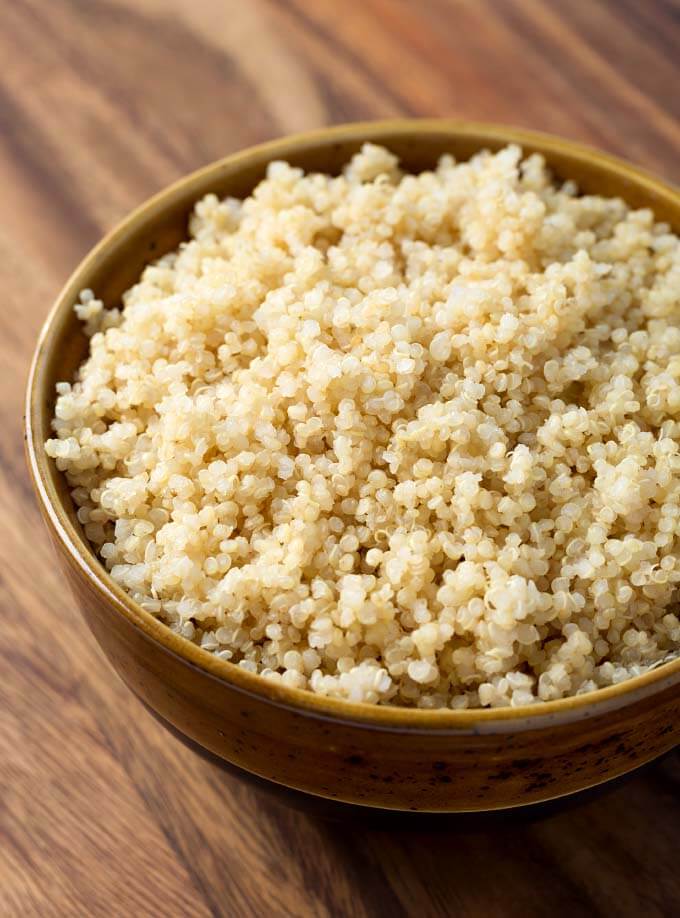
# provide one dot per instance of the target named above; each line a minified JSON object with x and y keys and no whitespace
{"x":475,"y":721}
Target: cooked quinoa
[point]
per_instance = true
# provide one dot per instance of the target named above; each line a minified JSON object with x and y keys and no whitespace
{"x":406,"y":439}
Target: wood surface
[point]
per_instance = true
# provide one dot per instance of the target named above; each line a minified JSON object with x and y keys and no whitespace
{"x":103,"y":102}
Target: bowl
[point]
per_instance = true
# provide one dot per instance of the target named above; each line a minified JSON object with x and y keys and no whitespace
{"x":388,"y":757}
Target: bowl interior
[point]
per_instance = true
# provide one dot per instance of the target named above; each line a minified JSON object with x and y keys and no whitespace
{"x":160,"y":224}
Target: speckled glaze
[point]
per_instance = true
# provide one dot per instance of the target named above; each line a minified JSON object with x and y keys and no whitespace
{"x":398,"y":758}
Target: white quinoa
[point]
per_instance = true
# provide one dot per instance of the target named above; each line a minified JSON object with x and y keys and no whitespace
{"x":396,"y":438}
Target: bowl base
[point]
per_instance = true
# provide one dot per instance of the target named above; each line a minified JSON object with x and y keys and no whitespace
{"x":378,"y":818}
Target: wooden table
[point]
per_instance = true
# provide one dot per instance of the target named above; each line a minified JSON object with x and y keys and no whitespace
{"x":102,"y":102}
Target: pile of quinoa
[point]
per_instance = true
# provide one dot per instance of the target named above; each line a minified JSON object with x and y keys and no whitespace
{"x":405,"y":439}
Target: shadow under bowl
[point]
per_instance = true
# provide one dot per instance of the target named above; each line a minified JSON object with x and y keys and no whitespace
{"x":392,"y":758}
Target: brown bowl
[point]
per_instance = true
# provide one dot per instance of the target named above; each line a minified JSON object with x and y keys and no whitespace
{"x":390,"y":757}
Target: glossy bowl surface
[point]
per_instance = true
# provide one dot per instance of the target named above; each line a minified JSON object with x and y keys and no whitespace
{"x":446,"y":761}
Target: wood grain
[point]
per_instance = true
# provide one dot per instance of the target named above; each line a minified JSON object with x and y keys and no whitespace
{"x":102,"y":102}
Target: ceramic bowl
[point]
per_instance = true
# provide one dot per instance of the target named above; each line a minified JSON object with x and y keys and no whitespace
{"x":388,"y":757}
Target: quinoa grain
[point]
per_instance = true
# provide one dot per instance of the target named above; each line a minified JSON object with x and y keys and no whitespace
{"x":407,"y":439}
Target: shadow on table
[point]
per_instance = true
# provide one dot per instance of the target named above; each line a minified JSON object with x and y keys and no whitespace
{"x":609,"y":850}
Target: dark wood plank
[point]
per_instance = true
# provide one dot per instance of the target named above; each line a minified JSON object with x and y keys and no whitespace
{"x":103,"y":102}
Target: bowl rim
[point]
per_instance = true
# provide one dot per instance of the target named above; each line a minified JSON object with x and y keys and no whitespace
{"x":303,"y":701}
